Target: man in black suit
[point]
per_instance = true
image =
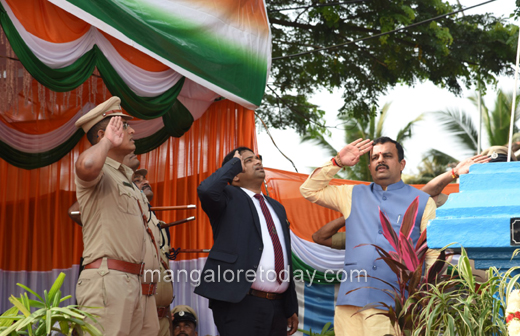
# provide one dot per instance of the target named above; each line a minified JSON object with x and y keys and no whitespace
{"x":247,"y":276}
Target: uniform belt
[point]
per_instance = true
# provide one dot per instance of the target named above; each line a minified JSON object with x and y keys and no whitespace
{"x":149,"y":289}
{"x":162,"y":312}
{"x":118,"y":265}
{"x":265,"y":295}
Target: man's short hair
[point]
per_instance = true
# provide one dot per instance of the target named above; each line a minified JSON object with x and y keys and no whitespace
{"x":230,"y":155}
{"x":92,"y":136}
{"x":384,"y":139}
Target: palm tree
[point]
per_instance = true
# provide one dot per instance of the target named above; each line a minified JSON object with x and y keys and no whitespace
{"x":460,"y":125}
{"x":496,"y":123}
{"x":433,"y":164}
{"x":358,"y":128}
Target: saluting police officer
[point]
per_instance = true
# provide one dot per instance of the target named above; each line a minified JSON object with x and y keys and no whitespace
{"x":114,"y":232}
{"x":164,"y":295}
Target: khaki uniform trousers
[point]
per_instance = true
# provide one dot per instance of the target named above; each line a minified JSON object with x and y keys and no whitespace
{"x":150,"y":320}
{"x":164,"y":298}
{"x":165,"y":324}
{"x":359,"y":325}
{"x":114,"y":298}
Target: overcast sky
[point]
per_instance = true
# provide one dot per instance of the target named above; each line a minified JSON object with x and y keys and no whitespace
{"x":406,"y":104}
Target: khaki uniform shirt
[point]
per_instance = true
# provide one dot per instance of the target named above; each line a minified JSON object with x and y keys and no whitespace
{"x":112,"y":223}
{"x":317,"y":190}
{"x":151,"y":259}
{"x":164,"y":294}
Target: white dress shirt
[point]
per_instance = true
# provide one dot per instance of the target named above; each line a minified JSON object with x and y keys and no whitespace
{"x":265,"y":274}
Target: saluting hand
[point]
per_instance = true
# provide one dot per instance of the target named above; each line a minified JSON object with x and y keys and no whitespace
{"x":237,"y":155}
{"x":350,"y":154}
{"x":114,"y":131}
{"x":463,"y":166}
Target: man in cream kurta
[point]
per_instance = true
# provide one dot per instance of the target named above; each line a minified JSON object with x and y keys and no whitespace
{"x":360,"y":206}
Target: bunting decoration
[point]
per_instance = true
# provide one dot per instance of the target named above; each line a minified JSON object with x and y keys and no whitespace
{"x":168,"y":61}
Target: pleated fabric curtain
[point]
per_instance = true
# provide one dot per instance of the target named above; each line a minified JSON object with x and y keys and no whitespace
{"x":37,"y":238}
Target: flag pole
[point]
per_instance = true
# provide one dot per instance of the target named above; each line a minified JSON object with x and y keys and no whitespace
{"x":513,"y":105}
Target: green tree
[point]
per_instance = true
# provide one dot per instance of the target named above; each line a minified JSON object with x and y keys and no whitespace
{"x":356,"y":128}
{"x":460,"y":126}
{"x":433,"y":164}
{"x":447,"y":51}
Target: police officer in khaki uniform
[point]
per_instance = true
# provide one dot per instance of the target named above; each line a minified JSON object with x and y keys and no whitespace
{"x":114,"y":233}
{"x":151,"y":275}
{"x":184,"y":321}
{"x":164,"y":294}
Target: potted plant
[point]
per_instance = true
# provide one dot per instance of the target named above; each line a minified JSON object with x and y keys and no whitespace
{"x":406,"y":261}
{"x":437,"y":303}
{"x":48,"y":316}
{"x":462,"y":305}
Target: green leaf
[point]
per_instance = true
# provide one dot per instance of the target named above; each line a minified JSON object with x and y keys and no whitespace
{"x":57,"y":298}
{"x":46,"y":296}
{"x":64,"y":327}
{"x":48,"y":321}
{"x":36,"y":304}
{"x":66,"y":310}
{"x":30,"y":291}
{"x":65,"y":298}
{"x":19,"y":305}
{"x":56,"y":287}
{"x":7,"y":318}
{"x":92,"y":330}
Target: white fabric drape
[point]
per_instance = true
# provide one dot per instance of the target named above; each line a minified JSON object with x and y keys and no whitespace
{"x":319,"y":257}
{"x":37,"y":143}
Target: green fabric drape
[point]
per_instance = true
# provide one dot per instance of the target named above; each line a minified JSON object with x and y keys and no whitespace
{"x":176,"y":117}
{"x":37,"y":160}
{"x":306,"y":272}
{"x":177,"y":121}
{"x":140,"y":107}
{"x":72,"y":76}
{"x":59,"y":80}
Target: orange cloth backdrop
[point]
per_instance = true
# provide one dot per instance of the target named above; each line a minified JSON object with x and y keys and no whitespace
{"x":36,"y":233}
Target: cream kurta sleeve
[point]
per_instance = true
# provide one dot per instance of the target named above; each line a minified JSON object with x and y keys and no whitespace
{"x":317,"y":190}
{"x":429,"y":214}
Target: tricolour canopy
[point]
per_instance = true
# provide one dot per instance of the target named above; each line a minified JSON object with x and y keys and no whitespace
{"x":168,"y":60}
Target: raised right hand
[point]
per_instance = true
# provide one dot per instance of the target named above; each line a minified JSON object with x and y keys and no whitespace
{"x":237,"y":155}
{"x":463,"y":166}
{"x":350,"y":154}
{"x":114,"y":131}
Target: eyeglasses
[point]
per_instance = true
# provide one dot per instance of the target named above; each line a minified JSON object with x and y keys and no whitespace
{"x":125,"y":125}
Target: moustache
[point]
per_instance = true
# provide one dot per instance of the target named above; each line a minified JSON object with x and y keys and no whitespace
{"x":146,"y":186}
{"x":382,"y":165}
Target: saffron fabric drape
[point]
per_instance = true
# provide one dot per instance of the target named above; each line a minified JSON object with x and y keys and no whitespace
{"x":146,"y":53}
{"x":36,"y":233}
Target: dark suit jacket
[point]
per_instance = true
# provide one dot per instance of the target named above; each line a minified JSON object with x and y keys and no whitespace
{"x":238,"y":240}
